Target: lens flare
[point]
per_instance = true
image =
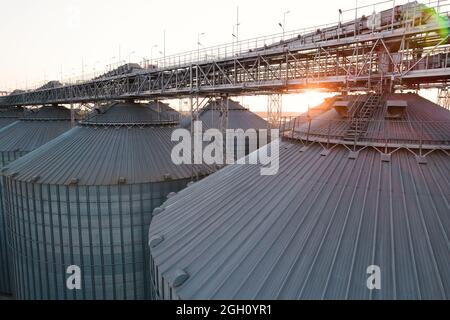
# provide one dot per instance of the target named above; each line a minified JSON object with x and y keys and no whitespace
{"x":431,"y":15}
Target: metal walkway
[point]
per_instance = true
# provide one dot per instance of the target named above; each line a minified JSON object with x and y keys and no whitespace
{"x":407,"y":51}
{"x":359,"y":123}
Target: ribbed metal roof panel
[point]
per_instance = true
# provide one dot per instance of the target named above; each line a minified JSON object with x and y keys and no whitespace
{"x":238,"y":117}
{"x":311,"y":231}
{"x":4,"y":122}
{"x":97,"y":155}
{"x":25,"y":136}
{"x":9,"y":116}
{"x":48,"y":113}
{"x":114,"y":174}
{"x":30,"y":132}
{"x":166,"y":109}
{"x":435,"y":121}
{"x":133,"y":113}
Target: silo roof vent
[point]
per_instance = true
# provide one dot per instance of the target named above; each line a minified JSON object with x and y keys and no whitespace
{"x":342,"y":107}
{"x":395,"y":108}
{"x":73,"y":181}
{"x":180,"y":277}
{"x":157,"y":211}
{"x":172,"y":194}
{"x":155,"y":240}
{"x":34,"y":179}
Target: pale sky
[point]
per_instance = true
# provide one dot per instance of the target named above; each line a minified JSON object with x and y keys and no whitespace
{"x":46,"y":38}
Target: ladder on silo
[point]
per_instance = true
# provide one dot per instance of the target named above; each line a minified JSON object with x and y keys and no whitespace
{"x":360,"y":121}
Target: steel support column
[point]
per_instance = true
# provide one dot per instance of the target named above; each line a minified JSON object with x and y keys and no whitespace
{"x":274,"y":110}
{"x":444,"y":98}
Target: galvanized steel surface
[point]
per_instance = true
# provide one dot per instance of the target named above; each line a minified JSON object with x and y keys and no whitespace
{"x":33,"y":129}
{"x":49,"y":113}
{"x":101,"y":229}
{"x":9,"y":116}
{"x":133,"y":113}
{"x":422,"y":122}
{"x":100,"y":156}
{"x":25,"y":136}
{"x":311,"y":231}
{"x":86,"y":199}
{"x":238,"y":117}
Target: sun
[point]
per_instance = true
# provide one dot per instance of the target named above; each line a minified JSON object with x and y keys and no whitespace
{"x":300,"y":102}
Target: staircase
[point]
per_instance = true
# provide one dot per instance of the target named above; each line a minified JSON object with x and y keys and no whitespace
{"x":360,"y":119}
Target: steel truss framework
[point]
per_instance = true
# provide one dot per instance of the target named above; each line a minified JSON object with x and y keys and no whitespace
{"x":274,"y":110}
{"x":444,"y":98}
{"x":404,"y":57}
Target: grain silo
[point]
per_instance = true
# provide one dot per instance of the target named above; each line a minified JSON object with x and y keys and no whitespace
{"x":238,"y":118}
{"x":86,"y":199}
{"x":358,"y":210}
{"x":164,"y":108}
{"x":9,"y":116}
{"x":33,"y":129}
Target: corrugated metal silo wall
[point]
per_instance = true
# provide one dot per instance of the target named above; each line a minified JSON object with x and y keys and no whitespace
{"x":5,"y":267}
{"x":98,"y":228}
{"x":26,"y":137}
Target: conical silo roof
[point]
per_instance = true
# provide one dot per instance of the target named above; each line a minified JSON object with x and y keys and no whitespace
{"x":9,"y":116}
{"x":238,"y":116}
{"x":421,"y":122}
{"x":35,"y":128}
{"x":155,"y":112}
{"x":165,"y":109}
{"x":126,"y":140}
{"x":313,"y":230}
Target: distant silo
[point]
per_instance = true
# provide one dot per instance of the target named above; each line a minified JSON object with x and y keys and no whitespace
{"x":358,"y":204}
{"x":238,"y":118}
{"x":86,"y":199}
{"x":9,"y":116}
{"x":164,"y":108}
{"x":33,"y":129}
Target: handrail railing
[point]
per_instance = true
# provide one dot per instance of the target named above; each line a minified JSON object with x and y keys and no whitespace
{"x":382,"y":132}
{"x":238,"y":48}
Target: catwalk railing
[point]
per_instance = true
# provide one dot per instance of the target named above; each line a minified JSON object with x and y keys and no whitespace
{"x":390,"y":133}
{"x":339,"y":56}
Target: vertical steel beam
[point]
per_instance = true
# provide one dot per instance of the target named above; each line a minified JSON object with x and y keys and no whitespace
{"x":72,"y":116}
{"x":444,"y":98}
{"x":274,"y":110}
